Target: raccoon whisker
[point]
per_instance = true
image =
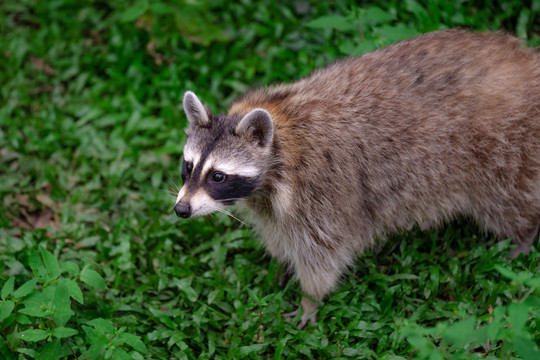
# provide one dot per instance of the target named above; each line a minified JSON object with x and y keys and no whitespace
{"x":209,"y":219}
{"x":234,"y":217}
{"x":173,"y":184}
{"x":168,"y":192}
{"x":251,"y":203}
{"x":225,"y":200}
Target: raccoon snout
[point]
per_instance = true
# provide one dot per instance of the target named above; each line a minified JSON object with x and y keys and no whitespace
{"x":182,"y":210}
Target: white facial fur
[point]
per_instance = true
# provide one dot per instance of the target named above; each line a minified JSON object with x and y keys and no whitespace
{"x":202,"y":204}
{"x":192,"y":155}
{"x":229,"y":167}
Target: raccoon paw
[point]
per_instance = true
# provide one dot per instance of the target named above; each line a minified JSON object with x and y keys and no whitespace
{"x":521,"y":249}
{"x":312,"y":318}
{"x":288,"y":316}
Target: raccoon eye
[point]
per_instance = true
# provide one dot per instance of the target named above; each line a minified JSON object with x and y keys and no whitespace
{"x":189,"y":167}
{"x":218,"y":177}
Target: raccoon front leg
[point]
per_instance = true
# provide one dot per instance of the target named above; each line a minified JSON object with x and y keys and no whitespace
{"x":524,"y":242}
{"x":318,"y":273}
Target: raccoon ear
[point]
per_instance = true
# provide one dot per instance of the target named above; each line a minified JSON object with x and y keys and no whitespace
{"x":257,"y":126}
{"x":195,"y":111}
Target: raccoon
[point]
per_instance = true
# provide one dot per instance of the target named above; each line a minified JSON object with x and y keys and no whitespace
{"x":443,"y":125}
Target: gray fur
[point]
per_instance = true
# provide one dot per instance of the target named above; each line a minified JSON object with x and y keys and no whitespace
{"x":257,"y":126}
{"x":439,"y":126}
{"x":194,"y":109}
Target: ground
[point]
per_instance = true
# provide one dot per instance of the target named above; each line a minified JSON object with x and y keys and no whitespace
{"x":91,"y":132}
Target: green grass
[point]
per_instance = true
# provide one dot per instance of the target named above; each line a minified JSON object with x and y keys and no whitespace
{"x":91,"y":132}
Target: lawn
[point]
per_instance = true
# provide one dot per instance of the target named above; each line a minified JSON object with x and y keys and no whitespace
{"x":95,"y":265}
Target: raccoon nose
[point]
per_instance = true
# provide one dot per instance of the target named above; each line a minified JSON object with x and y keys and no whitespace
{"x":182,"y":210}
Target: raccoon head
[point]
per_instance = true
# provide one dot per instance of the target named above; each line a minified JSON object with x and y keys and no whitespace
{"x":225,"y":158}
